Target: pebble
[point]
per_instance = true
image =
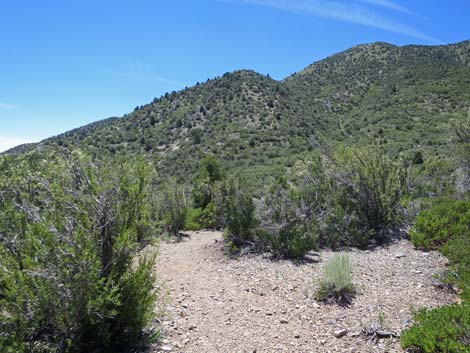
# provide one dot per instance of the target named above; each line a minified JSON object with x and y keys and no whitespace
{"x":340,"y":333}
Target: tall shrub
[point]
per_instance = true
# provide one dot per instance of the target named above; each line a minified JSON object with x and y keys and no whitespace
{"x":69,"y":231}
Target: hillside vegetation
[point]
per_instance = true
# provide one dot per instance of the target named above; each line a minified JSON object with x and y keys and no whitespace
{"x":399,"y":97}
{"x":352,"y":152}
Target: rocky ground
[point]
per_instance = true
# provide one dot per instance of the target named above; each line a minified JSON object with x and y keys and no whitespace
{"x":211,"y":303}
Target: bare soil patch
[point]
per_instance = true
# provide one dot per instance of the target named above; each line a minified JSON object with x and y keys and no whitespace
{"x":253,"y":304}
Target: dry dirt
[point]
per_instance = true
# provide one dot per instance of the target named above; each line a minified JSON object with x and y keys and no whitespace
{"x":253,"y":304}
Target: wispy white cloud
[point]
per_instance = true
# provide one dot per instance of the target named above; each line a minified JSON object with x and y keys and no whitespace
{"x":347,"y":12}
{"x":391,"y":5}
{"x":138,"y":72}
{"x":7,"y":142}
{"x":6,"y":106}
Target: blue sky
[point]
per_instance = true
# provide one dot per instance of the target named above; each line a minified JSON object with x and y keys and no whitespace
{"x":65,"y":63}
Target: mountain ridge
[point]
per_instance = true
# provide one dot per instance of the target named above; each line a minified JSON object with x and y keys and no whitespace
{"x":400,"y":97}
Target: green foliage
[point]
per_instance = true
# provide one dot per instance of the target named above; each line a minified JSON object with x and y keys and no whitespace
{"x":175,"y":208}
{"x":196,"y":135}
{"x":418,"y":158}
{"x":446,"y":219}
{"x":193,"y":219}
{"x":368,"y":188}
{"x":444,"y":225}
{"x":208,"y":194}
{"x":442,"y":330}
{"x":294,"y":241}
{"x":336,"y":285}
{"x":241,"y":222}
{"x":433,"y":178}
{"x":69,"y":231}
{"x":211,"y":169}
{"x":248,"y":119}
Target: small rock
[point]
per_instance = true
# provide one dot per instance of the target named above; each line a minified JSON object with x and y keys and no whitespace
{"x":283,"y":321}
{"x":340,"y":333}
{"x":166,"y":348}
{"x":400,"y":255}
{"x":406,"y":322}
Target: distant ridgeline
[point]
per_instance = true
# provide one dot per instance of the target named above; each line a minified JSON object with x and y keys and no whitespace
{"x":398,"y":97}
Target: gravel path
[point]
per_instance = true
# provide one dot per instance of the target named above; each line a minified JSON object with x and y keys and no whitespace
{"x":253,"y":304}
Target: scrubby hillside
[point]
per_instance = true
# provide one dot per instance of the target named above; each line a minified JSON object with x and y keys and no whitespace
{"x":401,"y":97}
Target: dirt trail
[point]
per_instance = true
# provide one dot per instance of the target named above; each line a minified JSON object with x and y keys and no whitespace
{"x":254,"y":304}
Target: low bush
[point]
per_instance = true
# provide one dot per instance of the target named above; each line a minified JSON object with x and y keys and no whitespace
{"x":368,"y":186}
{"x":444,"y":226}
{"x":337,"y":286}
{"x":174,"y":209}
{"x":441,"y":330}
{"x":241,"y":222}
{"x":293,"y":241}
{"x":444,"y":220}
{"x":193,"y":219}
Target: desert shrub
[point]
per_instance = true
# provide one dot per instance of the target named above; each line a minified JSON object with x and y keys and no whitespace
{"x":208,"y":193}
{"x":293,"y":241}
{"x":444,"y":225}
{"x":445,"y":329}
{"x":193,"y":219}
{"x":336,"y":286}
{"x":69,"y":232}
{"x":460,"y":127}
{"x":446,"y":219}
{"x":343,"y":227}
{"x":289,"y":218}
{"x":458,"y":274}
{"x":241,"y":221}
{"x":368,"y":187}
{"x":174,"y":209}
{"x":433,"y":178}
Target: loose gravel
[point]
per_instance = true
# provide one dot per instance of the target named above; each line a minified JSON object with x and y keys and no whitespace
{"x":212,"y":303}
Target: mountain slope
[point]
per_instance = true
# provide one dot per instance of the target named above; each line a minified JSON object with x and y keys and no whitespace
{"x":401,"y":97}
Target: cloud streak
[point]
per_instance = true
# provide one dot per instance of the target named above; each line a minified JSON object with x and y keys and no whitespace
{"x":346,"y":12}
{"x":6,"y":106}
{"x":136,"y":73}
{"x":391,"y":6}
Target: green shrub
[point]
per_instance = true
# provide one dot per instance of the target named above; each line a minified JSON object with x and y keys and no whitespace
{"x":293,"y":241}
{"x":336,"y":286}
{"x":446,"y":219}
{"x":193,"y":219}
{"x":175,"y":209}
{"x":69,"y":282}
{"x":445,"y":226}
{"x":457,"y":250}
{"x":368,"y":186}
{"x":441,"y":330}
{"x":241,"y":222}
